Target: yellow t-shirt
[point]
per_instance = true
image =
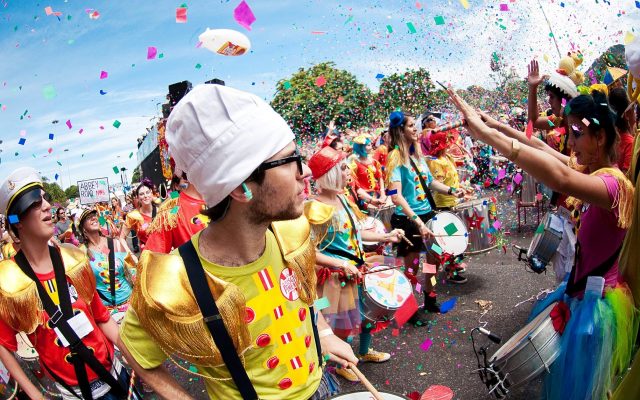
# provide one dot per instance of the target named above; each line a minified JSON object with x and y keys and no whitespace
{"x":444,"y":170}
{"x":283,"y":362}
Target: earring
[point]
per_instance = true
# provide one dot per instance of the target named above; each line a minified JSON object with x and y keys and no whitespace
{"x":247,"y":192}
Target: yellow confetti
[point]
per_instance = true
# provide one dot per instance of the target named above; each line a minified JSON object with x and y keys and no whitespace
{"x":465,"y":3}
{"x":629,"y":38}
{"x":433,"y":278}
{"x":546,"y":58}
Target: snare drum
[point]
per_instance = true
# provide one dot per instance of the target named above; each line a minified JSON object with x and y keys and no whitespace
{"x":529,"y":190}
{"x":29,"y":361}
{"x":478,"y":220}
{"x":383,"y":293}
{"x":385,"y":212}
{"x":450,"y":234}
{"x":26,"y":351}
{"x":366,"y":395}
{"x":527,"y":354}
{"x":545,"y":242}
{"x":374,"y":225}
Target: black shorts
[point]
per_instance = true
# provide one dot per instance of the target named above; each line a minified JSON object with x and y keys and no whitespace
{"x":410,"y":231}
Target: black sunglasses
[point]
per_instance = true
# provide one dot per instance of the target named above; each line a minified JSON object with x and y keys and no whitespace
{"x":37,"y":204}
{"x":282,"y":161}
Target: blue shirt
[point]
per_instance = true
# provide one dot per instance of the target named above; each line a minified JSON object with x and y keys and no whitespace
{"x":411,"y":187}
{"x":100,"y":265}
{"x":341,"y":236}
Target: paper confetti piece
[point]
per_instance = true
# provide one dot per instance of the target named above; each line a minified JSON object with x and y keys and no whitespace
{"x":504,"y":7}
{"x":56,"y":176}
{"x":22,"y":141}
{"x":628,"y":37}
{"x":151,"y":52}
{"x":340,"y":99}
{"x":428,"y":268}
{"x":502,"y":173}
{"x":540,"y":228}
{"x":426,"y":344}
{"x":117,"y":124}
{"x":175,"y":194}
{"x":198,"y":66}
{"x":465,"y":4}
{"x":102,"y":220}
{"x":287,"y":85}
{"x":406,"y":310}
{"x":181,"y":15}
{"x":51,"y":136}
{"x":49,"y":92}
{"x":131,"y":154}
{"x":439,"y":20}
{"x":50,"y":150}
{"x":23,"y":133}
{"x":451,"y":229}
{"x":586,"y":122}
{"x":418,"y":287}
{"x":448,"y":305}
{"x":321,"y":81}
{"x":389,"y":29}
{"x":436,"y":248}
{"x":322,"y":303}
{"x":243,"y":15}
{"x":49,"y":11}
{"x":174,"y":210}
{"x":497,"y":225}
{"x":13,"y":219}
{"x":517,"y":178}
{"x":637,"y":4}
{"x":102,"y":92}
{"x":412,"y":29}
{"x":104,"y":74}
{"x":116,"y":170}
{"x":529,"y":130}
{"x":93,"y":14}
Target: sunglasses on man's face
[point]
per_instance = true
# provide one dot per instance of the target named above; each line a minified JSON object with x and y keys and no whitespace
{"x":295,"y":157}
{"x":38,"y":204}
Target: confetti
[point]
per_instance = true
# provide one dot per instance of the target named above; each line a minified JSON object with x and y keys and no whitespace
{"x":243,"y":15}
{"x":436,"y":248}
{"x":117,"y":124}
{"x":102,"y":92}
{"x":504,"y":7}
{"x":586,"y":122}
{"x":131,"y":154}
{"x":22,"y":141}
{"x":116,"y":170}
{"x":451,"y":229}
{"x":448,"y":305}
{"x":412,"y":29}
{"x":540,"y":228}
{"x":497,"y":225}
{"x":439,"y":20}
{"x":321,"y":81}
{"x":49,"y":92}
{"x":175,"y":209}
{"x":151,"y":52}
{"x":181,"y":15}
{"x":175,"y":194}
{"x":428,"y":268}
{"x":426,"y":345}
{"x":529,"y":129}
{"x":389,"y":29}
{"x":321,"y":304}
{"x":104,"y":74}
{"x":465,"y":4}
{"x":51,"y":136}
{"x":13,"y":219}
{"x":517,"y":178}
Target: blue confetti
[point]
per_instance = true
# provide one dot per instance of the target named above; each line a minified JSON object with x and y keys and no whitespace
{"x":22,"y":141}
{"x":51,"y":136}
{"x":637,"y":4}
{"x":13,"y":219}
{"x":448,"y":305}
{"x":380,"y":76}
{"x":102,"y":92}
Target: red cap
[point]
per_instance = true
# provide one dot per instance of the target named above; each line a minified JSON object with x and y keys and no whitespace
{"x":325,"y":159}
{"x":439,"y":141}
{"x":330,"y":138}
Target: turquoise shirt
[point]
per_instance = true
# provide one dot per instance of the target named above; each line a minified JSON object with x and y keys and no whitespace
{"x":340,"y":236}
{"x":411,"y":188}
{"x":100,"y":266}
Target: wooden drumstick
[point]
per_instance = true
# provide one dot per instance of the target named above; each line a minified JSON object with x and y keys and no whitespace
{"x":365,"y":382}
{"x":442,"y":235}
{"x":403,"y":237}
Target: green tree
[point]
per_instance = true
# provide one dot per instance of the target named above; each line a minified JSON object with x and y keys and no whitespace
{"x":311,"y":98}
{"x":55,"y":191}
{"x":412,"y":92}
{"x":72,"y":192}
{"x":136,"y":176}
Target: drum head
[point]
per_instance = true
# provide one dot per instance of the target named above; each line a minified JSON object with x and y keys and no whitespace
{"x":26,"y":351}
{"x":372,"y":224}
{"x":390,"y":289}
{"x":451,"y":233}
{"x":366,"y":395}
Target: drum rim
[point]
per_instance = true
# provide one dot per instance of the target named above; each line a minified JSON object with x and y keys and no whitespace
{"x":459,"y":206}
{"x":337,"y":396}
{"x":368,"y":296}
{"x":437,"y":239}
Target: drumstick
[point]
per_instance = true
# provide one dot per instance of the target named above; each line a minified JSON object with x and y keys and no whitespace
{"x":365,"y":382}
{"x":382,"y":270}
{"x":403,"y":237}
{"x":459,"y":234}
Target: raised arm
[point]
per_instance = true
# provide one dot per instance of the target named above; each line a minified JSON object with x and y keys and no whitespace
{"x":533,"y":80}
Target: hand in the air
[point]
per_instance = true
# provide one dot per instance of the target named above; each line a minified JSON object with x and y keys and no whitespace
{"x":488,"y":119}
{"x":533,"y":77}
{"x":472,"y":119}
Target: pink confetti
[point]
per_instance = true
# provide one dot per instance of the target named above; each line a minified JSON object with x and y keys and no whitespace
{"x":504,"y":7}
{"x":104,"y":74}
{"x":81,"y":130}
{"x":321,"y":81}
{"x":529,"y":129}
{"x":586,"y":122}
{"x":517,"y":178}
{"x":69,"y":124}
{"x":151,"y":52}
{"x":502,"y":173}
{"x":539,"y":196}
{"x":497,"y":225}
{"x":426,"y":344}
{"x":340,"y":99}
{"x":418,"y":287}
{"x":23,"y":133}
{"x":50,"y":150}
{"x":243,"y":15}
{"x":181,"y":15}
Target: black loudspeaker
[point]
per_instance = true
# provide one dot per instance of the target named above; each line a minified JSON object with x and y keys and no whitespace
{"x":216,"y":81}
{"x":177,"y":91}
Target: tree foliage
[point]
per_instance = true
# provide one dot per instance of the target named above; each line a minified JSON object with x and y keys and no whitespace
{"x":312,"y":97}
{"x":55,"y":191}
{"x":412,"y":92}
{"x":72,"y":192}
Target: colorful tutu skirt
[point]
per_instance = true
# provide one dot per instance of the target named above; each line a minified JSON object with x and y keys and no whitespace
{"x":343,"y":313}
{"x":596,"y":345}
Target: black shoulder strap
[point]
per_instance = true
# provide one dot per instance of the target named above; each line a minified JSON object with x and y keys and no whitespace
{"x":112,"y":270}
{"x":213,"y":319}
{"x":343,"y":253}
{"x":354,"y":227}
{"x":600,"y":270}
{"x":59,"y":318}
{"x":426,"y":189}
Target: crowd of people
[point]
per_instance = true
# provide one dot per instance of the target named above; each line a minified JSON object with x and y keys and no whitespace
{"x":255,"y":268}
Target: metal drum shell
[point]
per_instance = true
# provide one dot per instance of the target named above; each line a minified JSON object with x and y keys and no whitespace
{"x":529,"y":352}
{"x":373,"y":310}
{"x":545,"y":245}
{"x":479,"y":238}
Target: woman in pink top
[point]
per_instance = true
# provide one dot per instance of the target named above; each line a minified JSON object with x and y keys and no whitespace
{"x":598,"y":329}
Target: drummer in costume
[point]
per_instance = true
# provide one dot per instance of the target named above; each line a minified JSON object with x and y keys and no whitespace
{"x":339,"y":256}
{"x":409,"y":183}
{"x":251,"y":271}
{"x":45,"y":287}
{"x":367,"y":173}
{"x":139,"y":220}
{"x":178,"y":219}
{"x":114,"y":276}
{"x":597,"y":340}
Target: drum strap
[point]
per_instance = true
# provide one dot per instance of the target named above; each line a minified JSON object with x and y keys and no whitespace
{"x":354,"y":231}
{"x":213,"y":319}
{"x":600,"y":270}
{"x":81,"y":355}
{"x":426,"y":189}
{"x":112,"y":270}
{"x":343,"y":253}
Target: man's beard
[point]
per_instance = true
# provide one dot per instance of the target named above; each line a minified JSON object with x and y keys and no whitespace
{"x":265,"y":211}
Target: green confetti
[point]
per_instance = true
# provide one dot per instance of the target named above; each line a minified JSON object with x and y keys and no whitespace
{"x":321,"y":304}
{"x":116,"y":170}
{"x":59,"y":163}
{"x":102,"y":220}
{"x":161,"y":55}
{"x":49,"y":92}
{"x":71,"y":41}
{"x":198,"y":66}
{"x":175,"y":209}
{"x":193,"y":368}
{"x":183,"y":5}
{"x":436,"y":248}
{"x":389,"y":29}
{"x":175,"y":194}
{"x":439,"y":20}
{"x":117,"y":124}
{"x":451,"y":229}
{"x":412,"y":29}
{"x":540,"y":228}
{"x":131,"y":154}
{"x":287,"y":85}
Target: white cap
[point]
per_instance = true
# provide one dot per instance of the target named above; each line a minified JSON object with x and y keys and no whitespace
{"x":564,"y":83}
{"x":219,"y":136}
{"x":15,"y":191}
{"x":632,"y":54}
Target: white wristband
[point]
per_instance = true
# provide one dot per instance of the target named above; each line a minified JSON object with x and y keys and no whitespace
{"x":325,"y":332}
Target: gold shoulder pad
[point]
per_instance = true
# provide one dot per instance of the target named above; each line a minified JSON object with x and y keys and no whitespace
{"x":78,"y":269}
{"x":167,"y":309}
{"x":20,"y":306}
{"x":317,"y":212}
{"x":165,"y":219}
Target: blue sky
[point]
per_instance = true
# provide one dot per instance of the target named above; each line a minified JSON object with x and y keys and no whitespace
{"x":68,"y":53}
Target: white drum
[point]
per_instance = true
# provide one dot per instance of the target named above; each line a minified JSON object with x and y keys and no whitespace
{"x":366,"y":395}
{"x":374,"y":225}
{"x":451,"y":233}
{"x":384,"y":292}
